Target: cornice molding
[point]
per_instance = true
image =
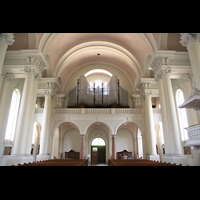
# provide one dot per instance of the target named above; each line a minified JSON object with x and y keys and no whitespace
{"x":33,"y":59}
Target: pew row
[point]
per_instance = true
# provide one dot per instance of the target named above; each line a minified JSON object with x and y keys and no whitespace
{"x":137,"y":162}
{"x":58,"y":162}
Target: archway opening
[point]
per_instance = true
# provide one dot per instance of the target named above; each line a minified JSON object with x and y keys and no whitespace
{"x":98,"y":151}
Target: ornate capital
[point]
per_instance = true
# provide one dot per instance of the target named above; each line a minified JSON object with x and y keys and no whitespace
{"x":37,"y":61}
{"x":7,"y":39}
{"x":29,"y":72}
{"x":188,"y":78}
{"x":8,"y":78}
{"x":166,"y":72}
{"x":59,"y":99}
{"x":136,"y":100}
{"x":189,"y":38}
{"x":48,"y":93}
{"x":3,"y":74}
{"x":144,"y":90}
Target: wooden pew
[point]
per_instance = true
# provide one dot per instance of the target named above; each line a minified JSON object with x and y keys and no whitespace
{"x":59,"y":162}
{"x":136,"y":162}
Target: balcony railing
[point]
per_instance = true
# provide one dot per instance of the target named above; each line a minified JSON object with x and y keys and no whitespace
{"x":79,"y":111}
{"x":193,"y":135}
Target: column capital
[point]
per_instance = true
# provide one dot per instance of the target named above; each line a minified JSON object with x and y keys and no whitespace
{"x":144,"y":90}
{"x":29,"y":72}
{"x":59,"y":99}
{"x":5,"y":75}
{"x":8,"y":78}
{"x":189,"y":38}
{"x":188,"y":78}
{"x":7,"y":39}
{"x":48,"y":93}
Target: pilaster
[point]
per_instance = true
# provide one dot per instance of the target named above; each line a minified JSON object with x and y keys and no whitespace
{"x":114,"y":156}
{"x":82,"y":147}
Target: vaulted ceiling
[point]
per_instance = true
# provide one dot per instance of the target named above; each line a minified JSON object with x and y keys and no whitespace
{"x":67,"y":52}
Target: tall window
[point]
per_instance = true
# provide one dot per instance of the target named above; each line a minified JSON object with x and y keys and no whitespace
{"x":182,"y":115}
{"x":12,"y":117}
{"x":140,"y":147}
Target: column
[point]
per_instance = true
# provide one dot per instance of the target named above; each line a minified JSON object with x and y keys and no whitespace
{"x":46,"y":124}
{"x":5,"y":40}
{"x":31,"y":114}
{"x":149,"y":128}
{"x":82,"y":146}
{"x":24,"y":113}
{"x":114,"y":147}
{"x":163,"y":114}
{"x":4,"y":110}
{"x":192,"y":42}
{"x":172,"y":120}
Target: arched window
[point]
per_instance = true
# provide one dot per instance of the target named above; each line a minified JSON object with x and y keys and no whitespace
{"x":140,"y":147}
{"x":98,"y":142}
{"x":12,"y":117}
{"x":182,"y":115}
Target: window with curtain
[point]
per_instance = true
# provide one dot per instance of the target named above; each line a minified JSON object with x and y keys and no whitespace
{"x":12,"y":117}
{"x":182,"y":115}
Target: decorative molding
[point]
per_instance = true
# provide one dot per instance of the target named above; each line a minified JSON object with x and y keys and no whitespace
{"x":189,"y":38}
{"x":33,"y":59}
{"x":29,"y":72}
{"x":7,"y":39}
{"x":8,"y":78}
{"x":59,"y":99}
{"x":188,"y":78}
{"x":8,"y":143}
{"x":48,"y":93}
{"x":137,"y":103}
{"x":193,"y":135}
{"x":3,"y":74}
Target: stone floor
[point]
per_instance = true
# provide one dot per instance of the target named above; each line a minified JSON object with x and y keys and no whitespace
{"x":100,"y":164}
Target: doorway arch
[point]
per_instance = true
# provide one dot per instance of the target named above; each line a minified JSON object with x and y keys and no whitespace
{"x":98,"y":150}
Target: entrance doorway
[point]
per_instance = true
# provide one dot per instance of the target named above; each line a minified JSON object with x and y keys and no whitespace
{"x":98,"y":151}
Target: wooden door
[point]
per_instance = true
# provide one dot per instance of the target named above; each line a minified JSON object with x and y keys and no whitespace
{"x":102,"y":154}
{"x":94,"y":154}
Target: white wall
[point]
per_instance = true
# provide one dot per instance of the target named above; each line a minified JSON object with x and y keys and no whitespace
{"x":124,"y":140}
{"x":71,"y":140}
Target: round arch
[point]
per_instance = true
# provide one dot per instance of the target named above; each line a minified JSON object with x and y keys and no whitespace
{"x":56,"y":125}
{"x":125,"y":121}
{"x":85,"y":129}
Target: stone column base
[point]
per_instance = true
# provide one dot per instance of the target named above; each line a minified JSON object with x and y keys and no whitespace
{"x":152,"y":157}
{"x":16,"y":159}
{"x":42,"y":157}
{"x":173,"y":158}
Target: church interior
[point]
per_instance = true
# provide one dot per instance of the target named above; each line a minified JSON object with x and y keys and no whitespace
{"x":104,"y":99}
